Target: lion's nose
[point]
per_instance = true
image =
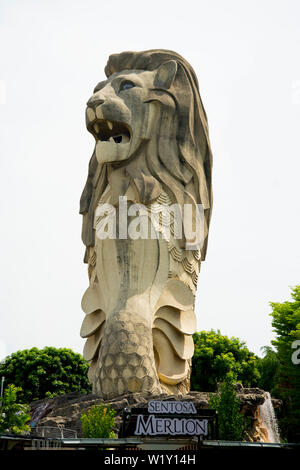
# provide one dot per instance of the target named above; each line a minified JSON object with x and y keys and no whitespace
{"x":94,"y":102}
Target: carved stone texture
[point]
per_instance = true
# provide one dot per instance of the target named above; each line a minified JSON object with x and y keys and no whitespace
{"x":151,"y":161}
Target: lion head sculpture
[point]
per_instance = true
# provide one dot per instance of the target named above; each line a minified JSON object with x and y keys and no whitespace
{"x":151,"y":144}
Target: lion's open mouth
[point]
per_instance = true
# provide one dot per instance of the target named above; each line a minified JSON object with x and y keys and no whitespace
{"x":111,"y":131}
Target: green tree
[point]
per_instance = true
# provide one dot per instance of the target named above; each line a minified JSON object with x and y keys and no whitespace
{"x":13,"y":416}
{"x":43,"y":373}
{"x":268,"y":367}
{"x":230,"y":420}
{"x":98,"y":422}
{"x":218,"y":357}
{"x":286,"y":323}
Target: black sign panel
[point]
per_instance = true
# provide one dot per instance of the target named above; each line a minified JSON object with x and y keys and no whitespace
{"x":172,"y":419}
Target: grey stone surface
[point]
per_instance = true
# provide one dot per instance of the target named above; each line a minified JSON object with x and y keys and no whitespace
{"x":151,"y":147}
{"x":126,"y":365}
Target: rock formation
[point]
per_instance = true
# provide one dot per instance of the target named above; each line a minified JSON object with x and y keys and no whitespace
{"x":67,"y":409}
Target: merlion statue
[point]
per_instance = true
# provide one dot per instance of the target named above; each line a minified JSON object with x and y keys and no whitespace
{"x":152,"y":151}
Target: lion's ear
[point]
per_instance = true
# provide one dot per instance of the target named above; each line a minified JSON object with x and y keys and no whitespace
{"x":165,"y":74}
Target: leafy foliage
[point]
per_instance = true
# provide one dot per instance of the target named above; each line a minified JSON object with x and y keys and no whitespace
{"x":13,"y":415}
{"x":218,"y":357}
{"x":231,"y":422}
{"x":286,"y":323}
{"x":98,"y":422}
{"x":44,"y":373}
{"x":268,"y":367}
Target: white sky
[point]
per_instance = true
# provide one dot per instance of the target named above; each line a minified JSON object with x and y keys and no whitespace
{"x":246,"y":56}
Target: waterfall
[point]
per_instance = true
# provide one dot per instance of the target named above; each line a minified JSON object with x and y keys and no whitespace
{"x":269,"y":420}
{"x":39,"y":411}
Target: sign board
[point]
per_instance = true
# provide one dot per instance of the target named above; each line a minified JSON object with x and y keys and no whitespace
{"x":169,"y":418}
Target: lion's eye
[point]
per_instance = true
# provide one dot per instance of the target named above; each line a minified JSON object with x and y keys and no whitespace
{"x":126,"y":85}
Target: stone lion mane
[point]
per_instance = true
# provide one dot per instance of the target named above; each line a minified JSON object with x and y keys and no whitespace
{"x":186,"y":175}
